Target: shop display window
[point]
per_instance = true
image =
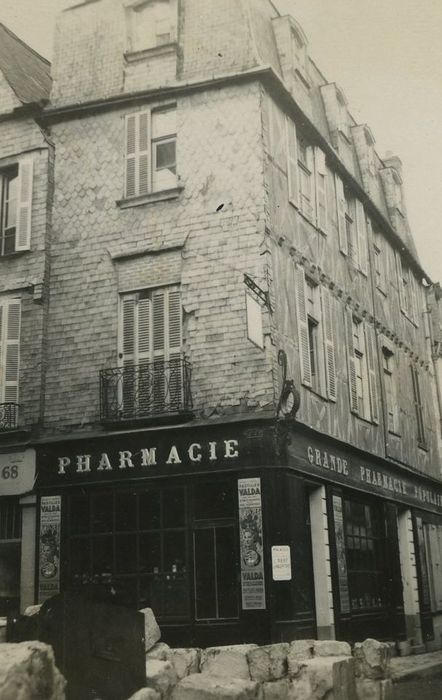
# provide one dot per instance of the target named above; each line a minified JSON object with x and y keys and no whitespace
{"x":10,"y":554}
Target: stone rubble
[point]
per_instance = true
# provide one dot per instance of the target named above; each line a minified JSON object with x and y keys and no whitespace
{"x":28,"y":672}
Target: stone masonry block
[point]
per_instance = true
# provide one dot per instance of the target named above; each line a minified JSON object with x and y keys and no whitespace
{"x":185,"y":661}
{"x":276,"y":690}
{"x":372,"y":659}
{"x":28,"y":671}
{"x":370,"y":689}
{"x":160,"y":675}
{"x":268,"y":663}
{"x":201,"y":686}
{"x":230,"y":661}
{"x":325,"y":677}
{"x":300,"y":650}
{"x":152,"y":632}
{"x":330,"y":647}
{"x":160,"y":651}
{"x":146,"y":694}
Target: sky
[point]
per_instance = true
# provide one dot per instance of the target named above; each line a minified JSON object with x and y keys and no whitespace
{"x":386,"y":55}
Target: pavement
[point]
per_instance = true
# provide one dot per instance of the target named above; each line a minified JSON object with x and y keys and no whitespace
{"x":417,"y":676}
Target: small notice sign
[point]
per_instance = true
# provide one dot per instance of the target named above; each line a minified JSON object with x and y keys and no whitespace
{"x":281,"y":563}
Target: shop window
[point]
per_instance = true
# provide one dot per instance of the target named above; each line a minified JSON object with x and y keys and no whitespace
{"x":365,"y":547}
{"x":15,"y":207}
{"x":430,"y":537}
{"x":392,"y":408}
{"x":150,"y":151}
{"x":136,"y":541}
{"x":315,"y":336}
{"x":150,"y":24}
{"x":10,"y":554}
{"x":361,"y":353}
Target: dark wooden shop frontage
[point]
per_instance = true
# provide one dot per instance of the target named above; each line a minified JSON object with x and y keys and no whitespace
{"x":211,"y":525}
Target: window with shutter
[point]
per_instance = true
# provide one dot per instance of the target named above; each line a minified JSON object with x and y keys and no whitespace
{"x":330,"y":362}
{"x":306,"y":179}
{"x":150,"y":350}
{"x":371,"y":345}
{"x":16,"y":207}
{"x":390,"y":390}
{"x":10,"y":326}
{"x":150,"y":24}
{"x":303,"y":330}
{"x":419,"y":409}
{"x":351,"y":359}
{"x":361,"y":234}
{"x":292,"y":162}
{"x":341,"y":206}
{"x":150,"y":151}
{"x":321,"y":190}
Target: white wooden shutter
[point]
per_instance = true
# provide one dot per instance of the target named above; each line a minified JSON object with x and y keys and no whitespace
{"x":301,"y":309}
{"x":402,"y":300}
{"x":414,"y":294}
{"x":352,"y":385}
{"x":24,"y":205}
{"x":292,"y":162}
{"x":361,"y":228}
{"x":330,"y":361}
{"x":278,"y":140}
{"x":371,"y":345}
{"x":12,"y":351}
{"x":127,"y":354}
{"x":174,"y":323}
{"x":143,"y":330}
{"x":159,"y":335}
{"x":321,"y":190}
{"x":138,"y":157}
{"x":341,"y":207}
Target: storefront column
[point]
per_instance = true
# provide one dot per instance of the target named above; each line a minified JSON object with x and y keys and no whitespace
{"x":27,"y":573}
{"x":409,"y":577}
{"x":321,"y":564}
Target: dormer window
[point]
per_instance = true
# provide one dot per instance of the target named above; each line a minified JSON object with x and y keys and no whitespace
{"x":299,"y":54}
{"x":151,"y":24}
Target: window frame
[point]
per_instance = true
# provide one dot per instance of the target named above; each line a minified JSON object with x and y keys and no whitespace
{"x":391,"y":402}
{"x":132,"y":8}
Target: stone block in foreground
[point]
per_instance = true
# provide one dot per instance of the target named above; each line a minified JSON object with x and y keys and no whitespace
{"x":229,"y":661}
{"x":152,"y":633}
{"x":202,"y":686}
{"x":160,"y":675}
{"x":323,"y":678}
{"x":370,"y":689}
{"x":268,"y":663}
{"x":372,"y":659}
{"x":185,"y":661}
{"x":28,"y":671}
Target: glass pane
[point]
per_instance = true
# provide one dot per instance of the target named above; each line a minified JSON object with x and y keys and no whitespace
{"x":176,"y":595}
{"x":79,"y":515}
{"x":151,"y":594}
{"x":125,"y":512}
{"x":80,"y":560}
{"x":204,"y":574}
{"x":102,"y":555}
{"x":173,"y":508}
{"x":212,"y":501}
{"x":10,"y":569}
{"x":165,"y":155}
{"x":149,"y":510}
{"x":226,"y":572}
{"x":126,"y":553}
{"x":174,"y":552}
{"x":150,"y":552}
{"x":126,"y":592}
{"x":102,"y":515}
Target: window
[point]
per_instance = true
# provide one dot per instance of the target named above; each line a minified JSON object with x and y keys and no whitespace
{"x":361,"y":345}
{"x":408,"y":291}
{"x":315,"y":336}
{"x":150,"y":24}
{"x":380,"y":264}
{"x":15,"y":206}
{"x":10,"y":552}
{"x":352,"y":227}
{"x":151,"y":151}
{"x":306,"y":181}
{"x":150,"y":351}
{"x":10,"y":321}
{"x":390,"y":391}
{"x":321,"y":190}
{"x":365,"y":554}
{"x":418,"y":405}
{"x":136,"y":541}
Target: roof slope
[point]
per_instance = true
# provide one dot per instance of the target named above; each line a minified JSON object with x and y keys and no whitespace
{"x":26,"y":71}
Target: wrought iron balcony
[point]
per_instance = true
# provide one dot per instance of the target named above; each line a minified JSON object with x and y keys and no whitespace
{"x":149,"y":389}
{"x":8,"y":416}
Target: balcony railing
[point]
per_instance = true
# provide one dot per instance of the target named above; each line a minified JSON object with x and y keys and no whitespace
{"x":149,"y":389}
{"x":8,"y":416}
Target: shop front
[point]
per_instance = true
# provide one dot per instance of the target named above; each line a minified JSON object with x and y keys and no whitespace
{"x":380,"y":519}
{"x":171,"y":519}
{"x":17,"y":529}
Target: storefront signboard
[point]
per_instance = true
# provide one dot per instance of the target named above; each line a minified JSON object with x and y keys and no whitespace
{"x":318,"y":456}
{"x":49,"y":549}
{"x":281,"y":563}
{"x":251,"y":544}
{"x":17,"y":472}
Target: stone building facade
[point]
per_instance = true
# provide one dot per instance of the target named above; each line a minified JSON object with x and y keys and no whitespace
{"x":240,"y":423}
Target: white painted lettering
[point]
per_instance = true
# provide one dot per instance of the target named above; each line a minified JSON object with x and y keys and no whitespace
{"x":174,"y":457}
{"x":83,"y":463}
{"x":104,"y":463}
{"x":333,"y":463}
{"x":148,"y":456}
{"x":310,"y":454}
{"x":125,"y":459}
{"x":318,"y":458}
{"x":231,"y":450}
{"x":63,"y":462}
{"x":191,"y":452}
{"x":212,"y":448}
{"x":345,"y":467}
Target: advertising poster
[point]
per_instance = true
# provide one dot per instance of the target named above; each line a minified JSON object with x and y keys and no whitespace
{"x":250,"y":531}
{"x":344,"y":596}
{"x":49,"y":547}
